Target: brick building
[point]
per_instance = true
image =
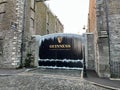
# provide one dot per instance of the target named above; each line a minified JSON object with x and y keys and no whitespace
{"x":91,"y":16}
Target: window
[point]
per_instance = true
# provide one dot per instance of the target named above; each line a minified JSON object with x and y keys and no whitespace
{"x":33,"y":4}
{"x":32,"y":26}
{"x":2,"y":10}
{"x":1,"y":46}
{"x":2,"y":6}
{"x":1,"y":17}
{"x":47,"y":31}
{"x":47,"y":18}
{"x":31,"y":23}
{"x":32,"y":14}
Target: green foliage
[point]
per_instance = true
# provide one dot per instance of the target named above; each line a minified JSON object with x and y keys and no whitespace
{"x":29,"y":61}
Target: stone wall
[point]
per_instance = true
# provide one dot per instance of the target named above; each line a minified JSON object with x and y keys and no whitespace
{"x":46,"y":21}
{"x":34,"y":46}
{"x":17,"y":25}
{"x":101,"y":43}
{"x":114,"y":36}
{"x":59,"y":26}
{"x":89,"y":51}
{"x":40,"y":18}
{"x":108,"y":25}
{"x":10,"y":29}
{"x":28,"y":28}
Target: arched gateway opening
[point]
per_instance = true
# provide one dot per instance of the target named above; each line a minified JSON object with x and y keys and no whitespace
{"x":61,"y":51}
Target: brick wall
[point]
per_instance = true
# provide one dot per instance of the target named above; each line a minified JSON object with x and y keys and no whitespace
{"x":91,"y":16}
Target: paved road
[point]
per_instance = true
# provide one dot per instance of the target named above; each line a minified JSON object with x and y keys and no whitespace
{"x":93,"y":77}
{"x":11,"y":71}
{"x":44,"y":79}
{"x":69,"y":74}
{"x":72,"y":73}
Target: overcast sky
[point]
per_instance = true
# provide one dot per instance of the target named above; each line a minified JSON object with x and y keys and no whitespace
{"x":73,"y":14}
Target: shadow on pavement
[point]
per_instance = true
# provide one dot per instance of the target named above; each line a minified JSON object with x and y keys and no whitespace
{"x":93,"y":77}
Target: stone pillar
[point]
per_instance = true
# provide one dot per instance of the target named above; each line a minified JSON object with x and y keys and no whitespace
{"x":34,"y":49}
{"x":114,"y":37}
{"x":17,"y":33}
{"x":102,"y":40}
{"x":89,"y":51}
{"x":11,"y":29}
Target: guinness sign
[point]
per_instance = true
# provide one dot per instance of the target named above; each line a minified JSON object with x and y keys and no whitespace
{"x":60,"y":46}
{"x":59,"y":39}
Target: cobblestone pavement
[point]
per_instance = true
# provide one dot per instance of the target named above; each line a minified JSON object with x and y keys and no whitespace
{"x":46,"y":79}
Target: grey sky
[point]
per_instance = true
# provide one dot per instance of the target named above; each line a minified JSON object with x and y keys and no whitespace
{"x":72,"y":13}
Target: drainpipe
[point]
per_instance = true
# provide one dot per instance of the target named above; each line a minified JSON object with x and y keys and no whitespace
{"x":84,"y":52}
{"x":107,"y":22}
{"x":24,"y":24}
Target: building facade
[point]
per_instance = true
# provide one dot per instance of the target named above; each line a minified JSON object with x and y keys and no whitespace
{"x":106,"y":36}
{"x":17,"y":25}
{"x":11,"y":21}
{"x":113,"y":26}
{"x":46,"y":21}
{"x":91,"y":16}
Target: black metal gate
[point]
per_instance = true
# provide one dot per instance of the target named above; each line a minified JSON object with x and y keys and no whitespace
{"x":61,"y":51}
